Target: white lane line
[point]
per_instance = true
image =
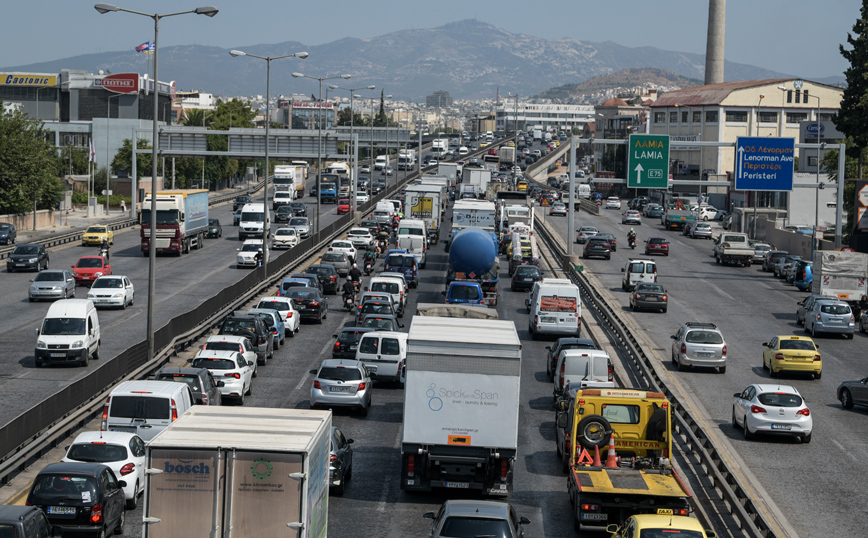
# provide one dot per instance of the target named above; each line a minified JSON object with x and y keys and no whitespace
{"x":381,"y":506}
{"x":718,"y":290}
{"x":846,"y":452}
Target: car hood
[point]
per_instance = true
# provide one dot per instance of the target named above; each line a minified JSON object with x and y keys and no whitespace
{"x":90,"y":270}
{"x":19,"y":257}
{"x":246,"y":254}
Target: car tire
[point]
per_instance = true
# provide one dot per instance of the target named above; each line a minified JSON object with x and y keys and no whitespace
{"x":249,"y":390}
{"x":101,"y":533}
{"x":818,"y":375}
{"x":363,"y":411}
{"x":680,"y":365}
{"x":674,"y":360}
{"x":595,"y":422}
{"x":734,"y":422}
{"x":609,"y":257}
{"x":31,"y":299}
{"x":240,"y":399}
{"x":772,"y":372}
{"x":131,"y":504}
{"x":95,"y":354}
{"x":748,"y":435}
{"x":721,"y":370}
{"x":846,"y":399}
{"x":119,"y":529}
{"x":813,"y":330}
{"x":338,"y":490}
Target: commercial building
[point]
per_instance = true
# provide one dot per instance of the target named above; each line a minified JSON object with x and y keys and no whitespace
{"x":297,"y":113}
{"x":548,"y":117}
{"x":440,"y":98}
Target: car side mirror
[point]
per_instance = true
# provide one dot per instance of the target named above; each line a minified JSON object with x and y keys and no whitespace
{"x":524,"y":521}
{"x":765,"y":344}
{"x":221,"y":384}
{"x":72,"y":266}
{"x":350,"y":441}
{"x":672,"y":336}
{"x":708,"y":532}
{"x":428,"y":515}
{"x":622,"y":269}
{"x":737,"y":395}
{"x":312,"y":372}
{"x":122,"y":483}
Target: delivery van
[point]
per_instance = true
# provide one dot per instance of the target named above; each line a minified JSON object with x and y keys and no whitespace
{"x":145,"y":407}
{"x":382,"y":353}
{"x":583,"y":369}
{"x":554,"y":307}
{"x":68,"y":334}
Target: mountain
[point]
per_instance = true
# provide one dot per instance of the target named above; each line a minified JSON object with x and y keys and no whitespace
{"x":625,"y":78}
{"x":470,"y":59}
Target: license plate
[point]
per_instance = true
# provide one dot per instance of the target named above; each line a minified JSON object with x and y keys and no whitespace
{"x":652,"y":299}
{"x":596,"y":517}
{"x":125,"y":429}
{"x":782,"y":426}
{"x":837,"y":320}
{"x":20,"y":264}
{"x":547,"y":320}
{"x":353,"y":348}
{"x":371,"y":367}
{"x":457,"y":485}
{"x":704,"y":354}
{"x":61,"y":510}
{"x":339,"y":389}
{"x":57,"y":354}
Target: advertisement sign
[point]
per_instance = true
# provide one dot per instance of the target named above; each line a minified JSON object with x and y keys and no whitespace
{"x":25,"y":79}
{"x":121,"y":83}
{"x":260,"y":487}
{"x":764,"y":164}
{"x":862,"y":204}
{"x":183,"y":495}
{"x":420,"y":206}
{"x":311,"y":104}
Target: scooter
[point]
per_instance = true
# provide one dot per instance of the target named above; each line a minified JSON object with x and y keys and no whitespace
{"x":369,"y":267}
{"x":349,"y":302}
{"x":632,"y":242}
{"x":104,"y":251}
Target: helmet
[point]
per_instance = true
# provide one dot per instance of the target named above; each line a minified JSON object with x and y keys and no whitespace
{"x":631,"y":228}
{"x":355,"y":266}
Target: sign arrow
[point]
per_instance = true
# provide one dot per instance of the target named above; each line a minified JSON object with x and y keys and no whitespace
{"x":639,"y":171}
{"x":740,"y":161}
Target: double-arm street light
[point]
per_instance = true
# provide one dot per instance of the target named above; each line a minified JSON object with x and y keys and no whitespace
{"x":319,"y":137}
{"x":352,"y":140}
{"x":265,"y":223}
{"x":210,"y":11}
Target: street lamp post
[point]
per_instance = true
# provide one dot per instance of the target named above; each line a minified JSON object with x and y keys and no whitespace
{"x":265,"y":225}
{"x":210,"y":11}
{"x":108,"y":143}
{"x":352,"y":140}
{"x":319,"y":150}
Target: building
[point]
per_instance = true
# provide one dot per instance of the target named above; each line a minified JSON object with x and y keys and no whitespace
{"x":616,"y":118}
{"x":300,"y":113}
{"x":440,"y":98}
{"x":548,"y":117}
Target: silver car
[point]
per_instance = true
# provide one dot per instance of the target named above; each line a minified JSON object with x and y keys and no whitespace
{"x":830,"y":317}
{"x":476,"y":518}
{"x":341,"y":383}
{"x":584,"y":233}
{"x":805,"y":304}
{"x":759,"y":252}
{"x":784,"y":264}
{"x":699,"y":229}
{"x":699,"y":344}
{"x":51,"y":284}
{"x":339,"y":261}
{"x":301,"y":225}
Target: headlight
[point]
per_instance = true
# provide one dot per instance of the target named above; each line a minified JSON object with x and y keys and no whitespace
{"x":74,"y":273}
{"x":91,"y":296}
{"x":97,"y":274}
{"x":118,"y":296}
{"x":32,"y":260}
{"x":77,"y":344}
{"x":41,"y":345}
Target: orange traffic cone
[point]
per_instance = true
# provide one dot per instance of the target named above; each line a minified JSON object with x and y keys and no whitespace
{"x":597,"y":462}
{"x":612,"y":459}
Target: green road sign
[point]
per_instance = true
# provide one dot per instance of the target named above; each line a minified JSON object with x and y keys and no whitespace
{"x":648,"y":161}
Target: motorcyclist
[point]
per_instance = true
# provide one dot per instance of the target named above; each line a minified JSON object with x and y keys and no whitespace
{"x":104,"y":248}
{"x":631,"y":236}
{"x":370,"y":255}
{"x":258,"y":258}
{"x":349,"y":292}
{"x":355,"y":275}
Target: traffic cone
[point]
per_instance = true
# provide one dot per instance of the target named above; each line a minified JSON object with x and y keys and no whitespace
{"x":612,"y":459}
{"x":597,"y":462}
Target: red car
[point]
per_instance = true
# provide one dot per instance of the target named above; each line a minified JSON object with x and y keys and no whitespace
{"x":657,"y":245}
{"x":89,"y":268}
{"x":343,"y":206}
{"x":492,"y":151}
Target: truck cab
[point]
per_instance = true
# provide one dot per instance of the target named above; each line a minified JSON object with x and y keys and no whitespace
{"x":460,"y":292}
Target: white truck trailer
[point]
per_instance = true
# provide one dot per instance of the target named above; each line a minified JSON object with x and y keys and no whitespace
{"x":840,"y":274}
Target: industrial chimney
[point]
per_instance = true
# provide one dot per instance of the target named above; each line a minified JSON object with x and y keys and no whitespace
{"x":714,"y":47}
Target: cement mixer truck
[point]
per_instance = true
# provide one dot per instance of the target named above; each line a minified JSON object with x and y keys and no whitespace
{"x":473,"y":263}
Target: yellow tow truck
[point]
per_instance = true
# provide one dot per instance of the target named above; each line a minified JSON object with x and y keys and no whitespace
{"x":633,"y":476}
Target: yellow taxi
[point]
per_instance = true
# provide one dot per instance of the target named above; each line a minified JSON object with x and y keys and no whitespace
{"x":792,"y":354}
{"x":94,"y":235}
{"x":483,"y":145}
{"x":510,"y":144}
{"x":660,"y":524}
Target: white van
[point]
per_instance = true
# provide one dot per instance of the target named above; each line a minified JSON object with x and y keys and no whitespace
{"x":581,"y":369}
{"x":638,"y":271}
{"x":554,"y":307}
{"x":252,"y":223}
{"x":396,"y":287}
{"x":412,"y":227}
{"x":584,"y":191}
{"x":387,"y":206}
{"x":415,"y":245}
{"x":69,"y":333}
{"x":382,"y":353}
{"x":397,"y":205}
{"x":145,"y":408}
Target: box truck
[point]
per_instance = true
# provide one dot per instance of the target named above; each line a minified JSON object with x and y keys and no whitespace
{"x":840,"y":274}
{"x":182,"y":221}
{"x":448,"y":170}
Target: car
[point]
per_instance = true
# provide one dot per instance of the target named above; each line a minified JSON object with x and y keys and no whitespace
{"x":88,"y":268}
{"x":95,"y":235}
{"x":788,"y":353}
{"x":657,"y":245}
{"x":27,"y":521}
{"x":8,"y":233}
{"x":707,"y":213}
{"x":122,"y":452}
{"x":312,"y":280}
{"x":255,"y":330}
{"x":613,"y":242}
{"x":771,"y":258}
{"x":215,"y":229}
{"x":232,"y":368}
{"x":562,"y":344}
{"x":699,"y":344}
{"x":327,"y":274}
{"x":204,"y":388}
{"x":659,"y":524}
{"x":649,"y":296}
{"x":377,"y":186}
{"x":365,"y":169}
{"x":772,"y":409}
{"x":381,"y":322}
{"x":339,"y":261}
{"x":347,"y":341}
{"x":698,"y":229}
{"x":283,"y":214}
{"x":362,"y":197}
{"x":344,"y":246}
{"x":395,"y":286}
{"x":340,"y":462}
{"x":558,"y":208}
{"x":310,"y":303}
{"x":341,"y":383}
{"x":246,"y":256}
{"x":476,"y":518}
{"x":273,"y":322}
{"x":388,"y":171}
{"x":236,"y":217}
{"x":584,"y":233}
{"x":299,"y":209}
{"x":344,"y":206}
{"x":361,"y":238}
{"x":830,"y":316}
{"x":805,"y":304}
{"x":286,"y":309}
{"x":240,"y":200}
{"x":613,"y":202}
{"x":380,"y":308}
{"x":51,"y":284}
{"x":284,"y":238}
{"x":233,"y":342}
{"x":376,"y":297}
{"x":371,"y":225}
{"x":759,"y":251}
{"x":853,"y":392}
{"x":301,"y":225}
{"x":80,"y":497}
{"x":28,"y":256}
{"x":113,"y":290}
{"x":783,"y":265}
{"x":524,"y":276}
{"x":631,"y":217}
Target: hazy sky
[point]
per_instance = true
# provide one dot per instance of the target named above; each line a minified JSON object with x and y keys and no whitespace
{"x":798,"y":37}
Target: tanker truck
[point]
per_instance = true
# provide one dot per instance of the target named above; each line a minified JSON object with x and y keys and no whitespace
{"x":473,"y":260}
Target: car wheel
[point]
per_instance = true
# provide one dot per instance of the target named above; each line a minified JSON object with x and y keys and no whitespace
{"x":363,"y":411}
{"x":734,"y":422}
{"x":680,"y":365}
{"x":818,"y":375}
{"x":813,"y":330}
{"x":772,"y":372}
{"x":846,"y":399}
{"x":249,"y":389}
{"x":95,"y":354}
{"x":748,"y":435}
{"x":240,"y":400}
{"x":674,"y":360}
{"x":132,"y":503}
{"x":101,"y":533}
{"x":121,"y":521}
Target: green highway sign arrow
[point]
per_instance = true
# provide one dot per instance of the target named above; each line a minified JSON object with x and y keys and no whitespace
{"x":648,"y":161}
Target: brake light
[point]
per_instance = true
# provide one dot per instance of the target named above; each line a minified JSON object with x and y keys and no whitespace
{"x":337,"y":346}
{"x":757,"y":409}
{"x":128,"y":468}
{"x":96,"y":513}
{"x":333,"y":458}
{"x":235,"y":375}
{"x":684,"y":349}
{"x":174,"y":411}
{"x":313,"y":303}
{"x":205,"y":399}
{"x":561,"y":374}
{"x":816,"y":357}
{"x":611,"y":374}
{"x":587,"y":507}
{"x":411,"y":465}
{"x":104,"y":424}
{"x":638,"y":296}
{"x":240,"y":348}
{"x":289,"y":314}
{"x":504,"y":469}
{"x":332,"y":278}
{"x":680,"y":511}
{"x":362,"y":386}
{"x":779,"y":356}
{"x":316,"y":384}
{"x":330,"y":249}
{"x":664,"y":297}
{"x":805,"y":412}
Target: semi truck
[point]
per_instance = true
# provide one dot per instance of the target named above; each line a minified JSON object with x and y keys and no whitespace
{"x":289,"y":178}
{"x":424,"y":201}
{"x":840,"y":274}
{"x":461,"y":405}
{"x":406,"y":159}
{"x":239,"y":471}
{"x":182,"y":221}
{"x":473,"y":258}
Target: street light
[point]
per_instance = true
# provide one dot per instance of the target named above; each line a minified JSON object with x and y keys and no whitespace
{"x":352,"y":130}
{"x":319,"y":150}
{"x":265,"y":225}
{"x":210,"y":11}
{"x":108,"y":138}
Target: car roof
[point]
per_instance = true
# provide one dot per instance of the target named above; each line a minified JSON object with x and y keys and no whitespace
{"x":226,"y":338}
{"x":763,"y":387}
{"x":346,"y":363}
{"x":11,"y":512}
{"x":108,"y":437}
{"x":645,"y":521}
{"x":793,"y":337}
{"x":180,"y":370}
{"x":568,"y":341}
{"x":476,"y":509}
{"x":76,"y":468}
{"x":215,"y":354}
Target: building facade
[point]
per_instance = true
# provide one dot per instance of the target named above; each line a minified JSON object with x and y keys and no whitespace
{"x":548,"y":117}
{"x":440,"y":98}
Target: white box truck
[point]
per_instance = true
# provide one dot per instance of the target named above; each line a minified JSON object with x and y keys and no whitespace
{"x":424,"y":201}
{"x":840,"y":274}
{"x":478,"y":177}
{"x":245,"y":471}
{"x":449,"y":171}
{"x":381,"y":162}
{"x":461,"y":405}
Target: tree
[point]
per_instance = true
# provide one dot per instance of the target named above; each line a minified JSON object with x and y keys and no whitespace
{"x":234,"y":113}
{"x":346,"y":117}
{"x":197,"y":117}
{"x":853,"y":114}
{"x":851,"y":167}
{"x":29,"y":165}
{"x":124,"y":158}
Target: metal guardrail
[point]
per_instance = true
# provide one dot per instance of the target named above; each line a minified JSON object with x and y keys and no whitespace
{"x":692,"y":436}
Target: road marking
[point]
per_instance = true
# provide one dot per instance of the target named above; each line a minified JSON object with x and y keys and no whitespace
{"x":846,"y":452}
{"x":719,"y":290}
{"x":381,"y":506}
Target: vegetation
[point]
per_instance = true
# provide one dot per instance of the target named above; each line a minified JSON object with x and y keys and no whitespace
{"x":853,"y":114}
{"x":626,"y":78}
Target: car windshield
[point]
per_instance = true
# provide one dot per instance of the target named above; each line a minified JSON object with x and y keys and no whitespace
{"x":388,"y":287}
{"x":285,"y":231}
{"x":252,"y":216}
{"x":469,"y":527}
{"x":213,"y":364}
{"x":213,"y":222}
{"x":703,"y":337}
{"x":96,"y":230}
{"x":380,"y":324}
{"x":76,"y":490}
{"x":835,"y":309}
{"x":88,"y":263}
{"x":654,"y":288}
{"x":139,"y":407}
{"x":63,"y":326}
{"x":339,"y":373}
{"x":251,"y":247}
{"x":298,"y":221}
{"x":26,"y":249}
{"x":97,"y":452}
{"x":192,"y":381}
{"x":798,"y":345}
{"x":333,"y":257}
{"x":4,"y":227}
{"x":780,"y":399}
{"x":108,"y":283}
{"x":232,"y":326}
{"x":50,"y":276}
{"x":280,"y":306}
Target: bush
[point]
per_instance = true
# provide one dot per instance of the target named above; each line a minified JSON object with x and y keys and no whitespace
{"x":80,"y":198}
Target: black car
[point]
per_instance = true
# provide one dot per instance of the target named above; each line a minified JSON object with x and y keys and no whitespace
{"x":377,"y":186}
{"x":562,"y":344}
{"x":597,"y":247}
{"x":340,"y":462}
{"x":28,"y":256}
{"x":347,"y":341}
{"x":372,"y":226}
{"x":283,"y":214}
{"x":214,"y":228}
{"x":80,"y":498}
{"x":206,"y":391}
{"x":239,"y":202}
{"x":310,"y":277}
{"x":298,"y":209}
{"x":328,"y":277}
{"x":254,"y":329}
{"x":524,"y":276}
{"x":27,"y":521}
{"x":8,"y":233}
{"x":310,"y":303}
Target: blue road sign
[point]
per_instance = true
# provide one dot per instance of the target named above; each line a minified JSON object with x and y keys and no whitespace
{"x":599,"y":196}
{"x":764,"y":164}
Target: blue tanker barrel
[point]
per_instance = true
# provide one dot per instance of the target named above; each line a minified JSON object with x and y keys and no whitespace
{"x":472,"y":251}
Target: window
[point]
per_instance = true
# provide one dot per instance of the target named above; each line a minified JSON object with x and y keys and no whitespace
{"x":697,"y":116}
{"x":369,"y":346}
{"x":659,"y":117}
{"x":736,"y":116}
{"x":799,"y":96}
{"x":684,"y":116}
{"x":812,"y":160}
{"x":768,"y":117}
{"x":805,"y":96}
{"x":391,"y":347}
{"x":673,"y":117}
{"x":711,"y":117}
{"x":789,"y":96}
{"x":621,"y":414}
{"x":796,"y":117}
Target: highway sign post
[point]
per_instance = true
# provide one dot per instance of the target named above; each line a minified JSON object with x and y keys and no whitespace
{"x":648,"y":161}
{"x":764,"y":164}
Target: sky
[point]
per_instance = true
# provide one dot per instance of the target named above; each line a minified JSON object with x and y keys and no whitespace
{"x":797,"y":37}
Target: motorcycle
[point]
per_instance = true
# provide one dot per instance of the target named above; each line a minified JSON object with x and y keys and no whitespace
{"x":349,"y":302}
{"x":632,"y":242}
{"x":369,"y":267}
{"x":104,"y":252}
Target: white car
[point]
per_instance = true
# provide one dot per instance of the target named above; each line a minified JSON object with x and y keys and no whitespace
{"x":231,"y":368}
{"x":772,"y":409}
{"x":122,"y":452}
{"x":558,"y":208}
{"x":463,"y":150}
{"x":362,"y":197}
{"x":346,"y":247}
{"x":246,"y":256}
{"x":631,"y":217}
{"x":707,"y":213}
{"x":361,"y":238}
{"x":112,"y":290}
{"x":284,"y":238}
{"x":285,"y":306}
{"x":584,"y":233}
{"x":613,"y":202}
{"x":231,"y":342}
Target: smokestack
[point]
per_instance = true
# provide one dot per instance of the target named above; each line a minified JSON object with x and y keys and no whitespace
{"x":714,"y":47}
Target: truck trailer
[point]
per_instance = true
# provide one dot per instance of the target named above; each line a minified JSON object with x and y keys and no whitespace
{"x":840,"y":274}
{"x":182,"y":221}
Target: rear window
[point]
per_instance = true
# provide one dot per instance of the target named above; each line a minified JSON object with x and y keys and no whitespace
{"x":224,"y":346}
{"x":395,"y":261}
{"x":835,"y":309}
{"x":140,"y":407}
{"x":376,"y":308}
{"x":51,"y":487}
{"x":621,"y":414}
{"x":465,"y":293}
{"x":656,"y":288}
{"x":275,"y":305}
{"x":380,"y":324}
{"x":804,"y":345}
{"x":637,"y":267}
{"x":334,"y":373}
{"x":232,"y":326}
{"x":669,"y":533}
{"x":466,"y":527}
{"x":386,"y":287}
{"x":350,"y":337}
{"x":554,"y":303}
{"x":192,"y":381}
{"x":333,"y":257}
{"x":96,"y":452}
{"x":703,"y":337}
{"x":214,"y":364}
{"x":780,"y":399}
